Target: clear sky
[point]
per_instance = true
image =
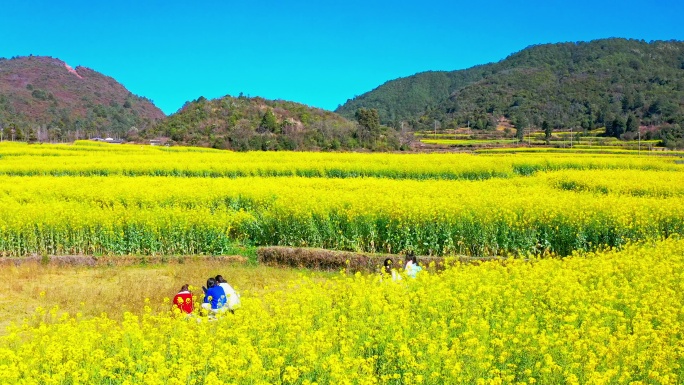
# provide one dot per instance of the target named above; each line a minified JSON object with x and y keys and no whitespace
{"x":317,"y":53}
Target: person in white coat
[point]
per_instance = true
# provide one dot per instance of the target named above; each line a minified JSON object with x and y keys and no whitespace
{"x":412,"y":267}
{"x":232,"y":297}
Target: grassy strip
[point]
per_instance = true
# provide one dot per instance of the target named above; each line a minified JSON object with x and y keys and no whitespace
{"x":119,"y":260}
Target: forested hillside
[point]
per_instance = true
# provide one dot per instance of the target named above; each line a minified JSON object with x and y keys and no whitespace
{"x":614,"y":83}
{"x":626,"y":86}
{"x":42,"y":98}
{"x":244,"y":123}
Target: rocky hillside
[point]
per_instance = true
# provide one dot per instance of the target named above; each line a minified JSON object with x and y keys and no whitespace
{"x":43,"y":98}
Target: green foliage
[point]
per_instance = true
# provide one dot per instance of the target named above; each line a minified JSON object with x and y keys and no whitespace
{"x":632,"y":125}
{"x":672,"y":136}
{"x":408,"y":98}
{"x":616,"y":127}
{"x":369,"y":123}
{"x":521,"y":123}
{"x":368,"y":118}
{"x":31,"y":136}
{"x":245,"y":123}
{"x":269,"y":122}
{"x":585,"y":84}
{"x":547,"y":131}
{"x":18,"y":133}
{"x":39,"y":94}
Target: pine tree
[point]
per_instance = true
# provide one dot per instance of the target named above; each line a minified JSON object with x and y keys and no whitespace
{"x":547,"y":131}
{"x":632,"y":124}
{"x":520,"y":123}
{"x":269,"y":122}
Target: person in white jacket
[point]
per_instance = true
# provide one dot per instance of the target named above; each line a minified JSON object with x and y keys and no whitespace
{"x":232,"y":297}
{"x":412,"y":268}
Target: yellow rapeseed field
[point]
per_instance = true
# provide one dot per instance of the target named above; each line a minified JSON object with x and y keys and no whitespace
{"x":598,"y":297}
{"x":105,"y":199}
{"x":613,"y":317}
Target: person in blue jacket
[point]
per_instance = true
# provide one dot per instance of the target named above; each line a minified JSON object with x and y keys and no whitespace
{"x":214,"y":296}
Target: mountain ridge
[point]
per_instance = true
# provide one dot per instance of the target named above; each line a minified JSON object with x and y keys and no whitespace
{"x":619,"y":84}
{"x":45,"y":97}
{"x":578,"y":84}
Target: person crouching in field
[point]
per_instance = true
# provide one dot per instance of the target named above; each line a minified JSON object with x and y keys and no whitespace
{"x":412,"y":267}
{"x":214,"y":297}
{"x":183,"y":300}
{"x":388,"y":269}
{"x":232,"y":297}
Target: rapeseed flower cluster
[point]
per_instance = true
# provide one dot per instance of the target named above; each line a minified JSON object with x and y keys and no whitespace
{"x":610,"y":317}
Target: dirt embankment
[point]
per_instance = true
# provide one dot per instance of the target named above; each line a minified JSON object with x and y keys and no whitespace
{"x":331,"y":260}
{"x":295,"y":257}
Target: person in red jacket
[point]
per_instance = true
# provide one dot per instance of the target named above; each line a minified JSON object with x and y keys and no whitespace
{"x":183,"y":300}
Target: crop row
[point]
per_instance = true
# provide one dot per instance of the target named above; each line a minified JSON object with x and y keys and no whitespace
{"x":132,"y":161}
{"x":554,"y":212}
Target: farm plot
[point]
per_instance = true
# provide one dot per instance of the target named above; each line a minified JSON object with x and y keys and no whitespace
{"x":130,"y":200}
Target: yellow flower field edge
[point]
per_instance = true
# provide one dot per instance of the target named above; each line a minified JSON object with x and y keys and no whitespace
{"x":613,"y":317}
{"x":553,"y":212}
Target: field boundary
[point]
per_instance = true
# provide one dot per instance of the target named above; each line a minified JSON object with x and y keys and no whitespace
{"x":334,"y":260}
{"x":279,"y":256}
{"x":117,"y":260}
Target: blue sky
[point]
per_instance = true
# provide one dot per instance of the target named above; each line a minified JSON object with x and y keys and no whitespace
{"x":317,"y":53}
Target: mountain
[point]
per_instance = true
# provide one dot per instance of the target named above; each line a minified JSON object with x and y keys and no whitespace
{"x":45,"y":98}
{"x":410,"y":97}
{"x":608,"y":82}
{"x":254,"y":123}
